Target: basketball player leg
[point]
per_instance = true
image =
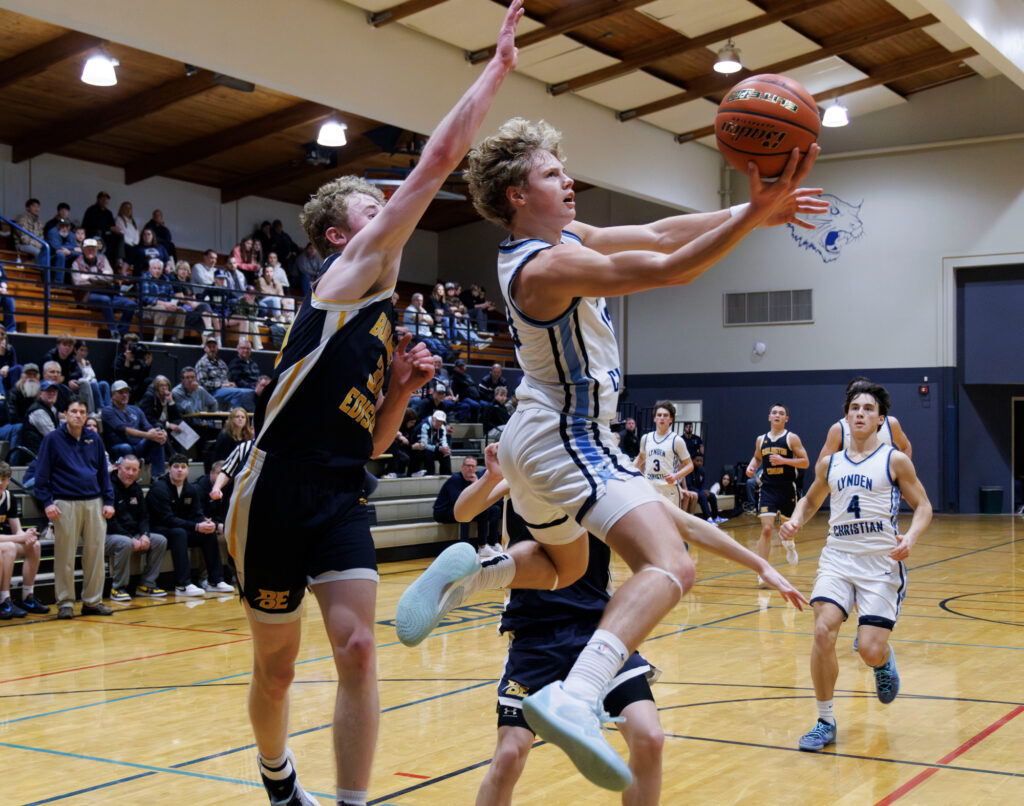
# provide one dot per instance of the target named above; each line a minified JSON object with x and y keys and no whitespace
{"x":348,"y":608}
{"x":828,"y":617}
{"x":506,"y":766}
{"x":764,"y":540}
{"x":878,"y":600}
{"x":645,"y":739}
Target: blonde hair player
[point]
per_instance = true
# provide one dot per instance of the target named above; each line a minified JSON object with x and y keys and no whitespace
{"x":782,"y":453}
{"x":862,"y":562}
{"x":664,"y":458}
{"x":565,"y":472}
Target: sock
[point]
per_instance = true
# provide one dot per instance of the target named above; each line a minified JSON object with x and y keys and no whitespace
{"x":826,"y":711}
{"x":348,"y":797}
{"x":495,"y":572}
{"x":278,"y":777}
{"x":4,"y":596}
{"x":597,"y":664}
{"x":27,"y":591}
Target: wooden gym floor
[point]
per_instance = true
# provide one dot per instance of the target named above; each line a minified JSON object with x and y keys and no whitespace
{"x":148,"y":706}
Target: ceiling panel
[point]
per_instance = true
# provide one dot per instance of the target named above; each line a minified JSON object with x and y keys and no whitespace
{"x":635,"y":88}
{"x":695,"y":17}
{"x":467,"y":24}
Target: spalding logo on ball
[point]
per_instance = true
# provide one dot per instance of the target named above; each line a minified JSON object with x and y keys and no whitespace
{"x":763,"y":118}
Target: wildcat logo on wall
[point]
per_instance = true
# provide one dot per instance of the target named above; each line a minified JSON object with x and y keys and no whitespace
{"x":832,"y":230}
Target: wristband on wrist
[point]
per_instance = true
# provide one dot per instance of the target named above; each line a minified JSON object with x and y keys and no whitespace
{"x":736,"y":209}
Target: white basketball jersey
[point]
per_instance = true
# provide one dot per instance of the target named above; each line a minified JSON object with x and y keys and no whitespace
{"x":865,"y":503}
{"x":664,"y":456}
{"x":571,"y":363}
{"x":884,"y":433}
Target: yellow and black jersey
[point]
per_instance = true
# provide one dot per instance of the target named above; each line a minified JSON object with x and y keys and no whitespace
{"x":321,"y":406}
{"x":777,"y":474}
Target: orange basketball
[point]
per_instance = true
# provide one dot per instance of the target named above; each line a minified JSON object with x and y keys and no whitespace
{"x":763,"y":118}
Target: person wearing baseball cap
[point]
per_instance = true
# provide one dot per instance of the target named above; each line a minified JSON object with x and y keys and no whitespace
{"x":431,"y":450}
{"x":93,"y":280}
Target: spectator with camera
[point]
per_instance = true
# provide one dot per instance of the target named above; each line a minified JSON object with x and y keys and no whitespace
{"x":128,"y":532}
{"x":132,"y":363}
{"x":126,"y":430}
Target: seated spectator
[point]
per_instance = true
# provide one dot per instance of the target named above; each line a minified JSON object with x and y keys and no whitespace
{"x":467,"y":393}
{"x":159,"y":406}
{"x":440,"y":373}
{"x":63,"y":212}
{"x":274,"y":262}
{"x":157,"y":295}
{"x":215,"y":507}
{"x":421,"y":325}
{"x":17,"y":543}
{"x":307,"y":267}
{"x":495,"y":414}
{"x":215,"y":379}
{"x":23,"y":394}
{"x":126,"y":430}
{"x":129,"y":230}
{"x":248,"y":256}
{"x":694,"y":444}
{"x":477,"y":306}
{"x":10,"y":369}
{"x":220,"y":299}
{"x":243,"y":370}
{"x":237,"y":280}
{"x":175,"y":511}
{"x":245,"y":315}
{"x":695,"y":483}
{"x":723,"y":487}
{"x":93,"y":279}
{"x":51,"y":373}
{"x":236,"y":429}
{"x":191,"y":398}
{"x":7,"y":303}
{"x":198,"y":315}
{"x":204,"y":272}
{"x":462,"y":330}
{"x":63,"y":352}
{"x":132,"y":363}
{"x":398,"y":464}
{"x":438,"y":397}
{"x":163,"y":235}
{"x":148,"y":250}
{"x":128,"y":532}
{"x":41,"y":419}
{"x":488,"y":522}
{"x":62,"y":249}
{"x":32,"y":224}
{"x":493,"y":380}
{"x":271,"y":292}
{"x":431,"y":450}
{"x":99,"y":391}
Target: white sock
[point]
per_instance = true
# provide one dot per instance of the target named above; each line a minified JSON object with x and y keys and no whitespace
{"x":495,"y":572}
{"x":597,"y":664}
{"x":349,"y":797}
{"x":27,"y":591}
{"x":277,"y":769}
{"x":826,"y":711}
{"x":4,"y":596}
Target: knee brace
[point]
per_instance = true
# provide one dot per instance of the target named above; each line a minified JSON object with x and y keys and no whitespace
{"x":669,"y":574}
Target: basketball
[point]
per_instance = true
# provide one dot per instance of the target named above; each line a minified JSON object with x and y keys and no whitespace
{"x":763,"y":118}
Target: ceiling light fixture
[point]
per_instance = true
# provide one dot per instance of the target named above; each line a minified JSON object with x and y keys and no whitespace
{"x":332,"y":134}
{"x":99,"y":70}
{"x":728,"y":60}
{"x":835,"y":115}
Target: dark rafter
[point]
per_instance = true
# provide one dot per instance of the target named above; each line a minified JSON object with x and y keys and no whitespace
{"x":675,"y":44}
{"x":399,"y":12}
{"x":203,"y":147}
{"x":62,"y":133}
{"x":831,"y":46}
{"x":894,"y":71}
{"x":561,"y":22}
{"x":36,"y":60}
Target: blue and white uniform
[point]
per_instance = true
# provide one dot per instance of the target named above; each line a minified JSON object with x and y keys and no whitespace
{"x":662,"y":456}
{"x":884,"y":433}
{"x":854,"y":567}
{"x":558,"y":454}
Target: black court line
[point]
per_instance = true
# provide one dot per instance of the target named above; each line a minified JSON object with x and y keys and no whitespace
{"x":945,"y":606}
{"x":90,"y":789}
{"x":965,"y":554}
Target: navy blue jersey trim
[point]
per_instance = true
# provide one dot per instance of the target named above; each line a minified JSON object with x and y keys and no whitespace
{"x":877,"y":621}
{"x":831,"y":601}
{"x":549,"y":524}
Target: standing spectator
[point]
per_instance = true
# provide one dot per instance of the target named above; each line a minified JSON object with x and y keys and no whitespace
{"x":159,"y":406}
{"x":214,"y":378}
{"x":62,"y":248}
{"x":467,"y":393}
{"x":694,"y":444}
{"x":157,"y":294}
{"x":493,"y":380}
{"x":695,"y":483}
{"x":18,"y":544}
{"x":99,"y":222}
{"x":132,"y":363}
{"x":248,"y":256}
{"x":94,"y":281}
{"x":307,"y":267}
{"x":191,"y":398}
{"x":63,"y":212}
{"x":149,"y":249}
{"x":7,"y":302}
{"x":430,"y":449}
{"x":629,"y":439}
{"x":128,"y":532}
{"x":264,"y":236}
{"x":236,"y":430}
{"x":87,"y":378}
{"x":243,"y":369}
{"x":129,"y":230}
{"x":10,"y":369}
{"x":204,"y":272}
{"x":488,"y":521}
{"x":126,"y":430}
{"x":198,"y":316}
{"x":73,"y":485}
{"x":175,"y":511}
{"x":282,"y":243}
{"x":31,"y":223}
{"x":163,"y":235}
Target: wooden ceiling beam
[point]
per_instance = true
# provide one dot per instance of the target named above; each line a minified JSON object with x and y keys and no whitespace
{"x":215,"y":143}
{"x":292,"y":170}
{"x":894,"y":71}
{"x":38,"y":59}
{"x":831,"y":46}
{"x":561,"y":22}
{"x":63,"y":132}
{"x":388,"y":15}
{"x":676,"y":44}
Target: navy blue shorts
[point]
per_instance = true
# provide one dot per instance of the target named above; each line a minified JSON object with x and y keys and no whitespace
{"x":287,"y":529}
{"x":537,"y":659}
{"x":779,"y":498}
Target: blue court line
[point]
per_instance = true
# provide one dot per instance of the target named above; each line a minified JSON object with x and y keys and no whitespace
{"x":705,"y":624}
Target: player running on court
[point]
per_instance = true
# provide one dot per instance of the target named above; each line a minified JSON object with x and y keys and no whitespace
{"x":781,"y":452}
{"x":298,"y":514}
{"x":862,"y":562}
{"x":891,"y":432}
{"x":558,"y":454}
{"x":664,"y":457}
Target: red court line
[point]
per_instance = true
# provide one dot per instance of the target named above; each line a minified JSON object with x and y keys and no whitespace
{"x":928,"y":773}
{"x":413,"y":775}
{"x":123,"y":660}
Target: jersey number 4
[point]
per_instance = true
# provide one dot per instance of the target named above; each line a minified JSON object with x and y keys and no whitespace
{"x":854,"y":506}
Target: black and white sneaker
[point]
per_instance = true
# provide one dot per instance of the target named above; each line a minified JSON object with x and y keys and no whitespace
{"x":284,"y":791}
